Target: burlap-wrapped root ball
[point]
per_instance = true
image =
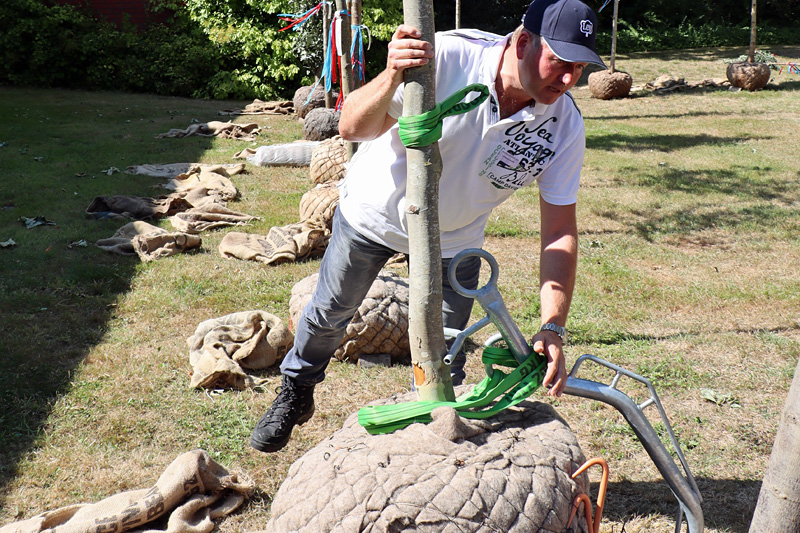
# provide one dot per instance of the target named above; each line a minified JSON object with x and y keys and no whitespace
{"x":749,"y":76}
{"x":303,"y":104}
{"x":320,"y":202}
{"x":606,"y":85}
{"x":380,"y":325}
{"x":510,"y":473}
{"x":328,"y":160}
{"x":320,"y":124}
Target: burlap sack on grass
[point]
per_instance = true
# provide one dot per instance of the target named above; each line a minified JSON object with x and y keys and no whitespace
{"x":152,"y":246}
{"x":137,"y":207}
{"x":221,"y":348}
{"x":121,"y":242}
{"x":216,"y":128}
{"x":511,"y":473}
{"x":380,"y":325}
{"x":208,"y":216}
{"x":147,"y":241}
{"x":191,"y":493}
{"x":171,"y":170}
{"x":214,"y":181}
{"x":328,"y":160}
{"x":259,"y":107}
{"x":320,"y":202}
{"x":282,"y":244}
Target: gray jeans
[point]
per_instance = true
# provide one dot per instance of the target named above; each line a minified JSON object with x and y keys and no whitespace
{"x":350,"y":265}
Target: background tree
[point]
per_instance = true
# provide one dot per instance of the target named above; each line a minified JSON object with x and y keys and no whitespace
{"x":749,"y":74}
{"x":778,"y":507}
{"x":232,"y":48}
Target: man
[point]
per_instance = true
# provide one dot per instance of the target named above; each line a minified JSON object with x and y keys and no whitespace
{"x":528,"y":132}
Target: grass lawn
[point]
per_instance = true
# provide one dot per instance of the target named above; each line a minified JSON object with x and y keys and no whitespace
{"x":689,"y":217}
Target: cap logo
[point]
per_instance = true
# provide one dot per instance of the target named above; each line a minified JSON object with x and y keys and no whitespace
{"x":586,"y":27}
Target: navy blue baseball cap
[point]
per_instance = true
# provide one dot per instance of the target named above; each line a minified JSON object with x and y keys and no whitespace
{"x":567,"y":26}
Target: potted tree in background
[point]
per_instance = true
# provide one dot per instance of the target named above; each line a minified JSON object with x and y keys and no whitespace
{"x":611,"y":83}
{"x":750,"y":75}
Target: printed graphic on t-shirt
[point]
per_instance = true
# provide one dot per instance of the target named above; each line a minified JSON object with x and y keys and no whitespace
{"x":521,"y":155}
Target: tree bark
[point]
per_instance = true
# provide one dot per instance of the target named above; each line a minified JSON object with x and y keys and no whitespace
{"x":614,"y":36}
{"x":426,"y":329}
{"x":345,"y":62}
{"x":355,"y":13}
{"x":326,"y":22}
{"x":778,"y":507}
{"x":752,"y":55}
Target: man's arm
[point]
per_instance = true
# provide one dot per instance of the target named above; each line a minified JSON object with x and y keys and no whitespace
{"x":558,"y":262}
{"x":365,"y":112}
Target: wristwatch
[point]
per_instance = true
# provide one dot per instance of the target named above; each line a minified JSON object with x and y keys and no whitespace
{"x":561,"y":331}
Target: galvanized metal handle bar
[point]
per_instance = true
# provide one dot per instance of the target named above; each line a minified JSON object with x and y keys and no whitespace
{"x":684,"y":488}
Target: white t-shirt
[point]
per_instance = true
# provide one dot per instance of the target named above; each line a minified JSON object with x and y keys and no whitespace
{"x":485,"y":159}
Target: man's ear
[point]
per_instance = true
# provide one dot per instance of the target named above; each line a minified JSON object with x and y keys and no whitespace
{"x":523,"y":40}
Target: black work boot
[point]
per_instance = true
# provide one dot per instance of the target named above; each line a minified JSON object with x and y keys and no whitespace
{"x":293,"y":406}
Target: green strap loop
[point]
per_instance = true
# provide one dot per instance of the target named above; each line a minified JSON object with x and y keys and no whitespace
{"x":421,"y":130}
{"x":512,"y":388}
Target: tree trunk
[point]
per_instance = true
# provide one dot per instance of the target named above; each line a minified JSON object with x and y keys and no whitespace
{"x":355,"y":13}
{"x":345,"y":63}
{"x":614,"y":36}
{"x":326,"y":22}
{"x":751,"y":56}
{"x":426,"y":329}
{"x":778,"y":507}
{"x":458,"y":14}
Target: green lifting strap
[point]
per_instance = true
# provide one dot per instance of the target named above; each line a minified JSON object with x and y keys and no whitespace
{"x":421,"y":130}
{"x":512,"y":388}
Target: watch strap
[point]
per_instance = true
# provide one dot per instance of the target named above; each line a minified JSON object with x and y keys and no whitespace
{"x":561,"y":331}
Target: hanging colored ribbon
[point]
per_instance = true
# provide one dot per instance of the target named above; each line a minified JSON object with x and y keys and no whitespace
{"x":357,"y":56}
{"x":300,"y":19}
{"x":330,"y":65}
{"x":336,"y":52}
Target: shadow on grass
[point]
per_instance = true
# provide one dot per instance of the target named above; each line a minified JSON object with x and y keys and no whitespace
{"x":687,"y":221}
{"x":728,"y":504}
{"x":659,"y":115}
{"x":58,"y":296}
{"x":712,"y":54}
{"x":732,"y":181}
{"x":743,"y":185}
{"x":784,"y":85}
{"x":660,"y":142}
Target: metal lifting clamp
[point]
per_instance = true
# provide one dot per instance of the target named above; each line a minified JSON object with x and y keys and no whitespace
{"x":680,"y":480}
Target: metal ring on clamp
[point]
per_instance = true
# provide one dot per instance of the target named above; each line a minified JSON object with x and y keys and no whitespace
{"x":490,"y":299}
{"x":464,"y":254}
